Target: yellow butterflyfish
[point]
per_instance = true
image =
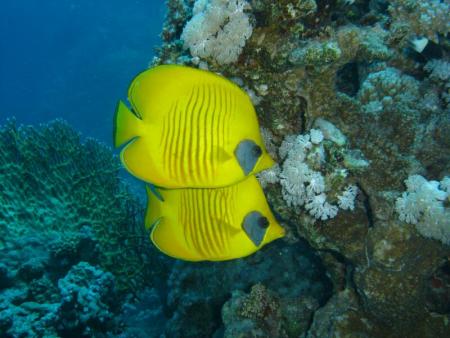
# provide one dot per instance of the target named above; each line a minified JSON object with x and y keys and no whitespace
{"x":211,"y":224}
{"x":188,"y":128}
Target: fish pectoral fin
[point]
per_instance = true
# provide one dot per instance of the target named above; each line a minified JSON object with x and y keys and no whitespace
{"x":127,"y":125}
{"x":234,"y":231}
{"x":223,"y":155}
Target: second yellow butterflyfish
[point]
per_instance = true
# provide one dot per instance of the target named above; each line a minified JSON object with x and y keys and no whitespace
{"x":188,"y":128}
{"x":211,"y":224}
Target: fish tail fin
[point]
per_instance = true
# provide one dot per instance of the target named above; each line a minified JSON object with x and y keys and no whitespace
{"x":126,"y":125}
{"x":154,"y":206}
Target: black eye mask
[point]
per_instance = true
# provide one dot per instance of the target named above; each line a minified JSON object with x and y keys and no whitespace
{"x":247,"y":153}
{"x":255,"y":226}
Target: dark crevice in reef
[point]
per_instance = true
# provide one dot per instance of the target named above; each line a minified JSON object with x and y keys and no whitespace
{"x":349,"y":267}
{"x":367,"y":206}
{"x":349,"y":281}
{"x":438,"y":289}
{"x":379,"y":6}
{"x":347,"y":79}
{"x":302,"y":114}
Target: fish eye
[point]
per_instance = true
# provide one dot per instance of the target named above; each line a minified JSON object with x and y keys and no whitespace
{"x":263,"y":222}
{"x":257,"y":151}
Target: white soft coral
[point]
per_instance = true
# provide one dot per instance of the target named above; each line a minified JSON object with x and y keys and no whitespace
{"x":320,"y":208}
{"x":346,"y":200}
{"x":218,"y":29}
{"x":304,"y":186}
{"x":423,"y":205}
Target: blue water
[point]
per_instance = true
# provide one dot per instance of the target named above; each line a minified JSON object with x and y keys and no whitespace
{"x":73,"y":59}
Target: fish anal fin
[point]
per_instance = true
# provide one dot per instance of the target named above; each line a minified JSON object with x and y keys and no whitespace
{"x":170,"y":243}
{"x":156,"y":222}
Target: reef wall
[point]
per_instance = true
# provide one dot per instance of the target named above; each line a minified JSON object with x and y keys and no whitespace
{"x":353,"y":98}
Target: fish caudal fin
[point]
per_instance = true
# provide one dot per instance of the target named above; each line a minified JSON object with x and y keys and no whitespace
{"x":126,"y":125}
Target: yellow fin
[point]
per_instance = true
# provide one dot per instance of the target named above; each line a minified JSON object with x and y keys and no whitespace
{"x":136,"y":159}
{"x":154,"y":209}
{"x":165,"y":237}
{"x":126,"y":125}
{"x":223,"y":155}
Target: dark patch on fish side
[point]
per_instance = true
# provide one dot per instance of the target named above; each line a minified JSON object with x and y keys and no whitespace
{"x":255,"y":226}
{"x":247,"y":153}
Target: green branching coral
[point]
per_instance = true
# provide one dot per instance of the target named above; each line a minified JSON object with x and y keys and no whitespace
{"x":51,"y":182}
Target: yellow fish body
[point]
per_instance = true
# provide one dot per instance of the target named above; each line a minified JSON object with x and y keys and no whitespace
{"x":188,"y":128}
{"x":212,"y":224}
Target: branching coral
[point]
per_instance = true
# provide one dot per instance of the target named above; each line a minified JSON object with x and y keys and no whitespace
{"x":51,"y":181}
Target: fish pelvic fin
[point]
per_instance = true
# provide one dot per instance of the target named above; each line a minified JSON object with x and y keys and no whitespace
{"x":127,"y":125}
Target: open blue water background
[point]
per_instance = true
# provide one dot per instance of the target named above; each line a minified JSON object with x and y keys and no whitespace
{"x":73,"y":59}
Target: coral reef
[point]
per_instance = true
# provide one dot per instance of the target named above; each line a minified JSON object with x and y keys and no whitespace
{"x":73,"y":245}
{"x":372,"y":76}
{"x":291,"y":274}
{"x":353,"y":100}
{"x":54,"y":184}
{"x":262,"y":314}
{"x":428,"y":18}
